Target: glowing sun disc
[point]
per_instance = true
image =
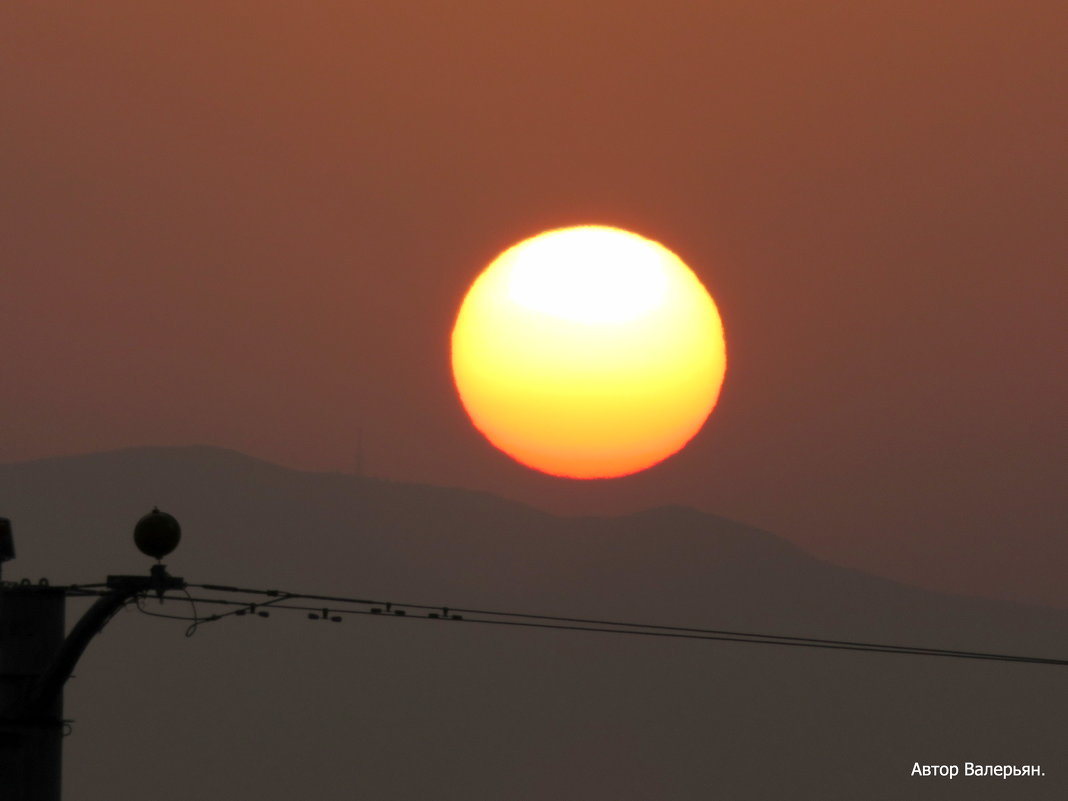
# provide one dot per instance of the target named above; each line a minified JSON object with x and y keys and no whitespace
{"x":588,"y":352}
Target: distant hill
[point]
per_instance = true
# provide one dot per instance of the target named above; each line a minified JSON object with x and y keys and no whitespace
{"x":252,"y":522}
{"x":602,"y":716}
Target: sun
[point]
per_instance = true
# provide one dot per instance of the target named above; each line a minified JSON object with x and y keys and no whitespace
{"x":588,"y":352}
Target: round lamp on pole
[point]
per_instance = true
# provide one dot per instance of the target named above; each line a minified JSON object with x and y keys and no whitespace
{"x":157,"y":534}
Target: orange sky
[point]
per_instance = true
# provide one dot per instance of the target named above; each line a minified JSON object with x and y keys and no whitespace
{"x":252,"y":225}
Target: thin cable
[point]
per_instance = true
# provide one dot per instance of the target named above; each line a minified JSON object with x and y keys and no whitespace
{"x":525,"y":620}
{"x":572,"y":620}
{"x":191,"y":629}
{"x":667,"y":632}
{"x":140,"y":608}
{"x":589,"y":624}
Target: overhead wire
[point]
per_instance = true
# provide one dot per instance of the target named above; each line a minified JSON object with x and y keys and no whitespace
{"x":284,"y":601}
{"x":527,"y":620}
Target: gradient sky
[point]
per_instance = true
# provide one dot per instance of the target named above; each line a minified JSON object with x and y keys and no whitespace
{"x":251,"y":225}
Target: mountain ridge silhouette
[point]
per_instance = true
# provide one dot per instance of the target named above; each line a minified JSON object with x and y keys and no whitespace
{"x":248,"y":521}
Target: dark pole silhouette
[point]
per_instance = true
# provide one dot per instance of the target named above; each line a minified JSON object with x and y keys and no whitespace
{"x":36,"y":661}
{"x":31,"y":634}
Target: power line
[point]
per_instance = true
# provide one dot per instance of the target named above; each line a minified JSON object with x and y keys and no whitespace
{"x":283,"y":601}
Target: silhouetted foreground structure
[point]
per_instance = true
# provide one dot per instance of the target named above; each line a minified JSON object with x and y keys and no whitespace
{"x":31,"y":636}
{"x":36,"y":660}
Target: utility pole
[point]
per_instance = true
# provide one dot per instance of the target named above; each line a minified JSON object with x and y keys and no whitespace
{"x":36,"y":660}
{"x":31,"y":634}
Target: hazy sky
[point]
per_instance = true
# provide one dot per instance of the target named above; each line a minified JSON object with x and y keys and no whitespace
{"x":251,"y":225}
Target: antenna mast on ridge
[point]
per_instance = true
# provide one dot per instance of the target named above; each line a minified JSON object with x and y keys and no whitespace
{"x":358,"y":464}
